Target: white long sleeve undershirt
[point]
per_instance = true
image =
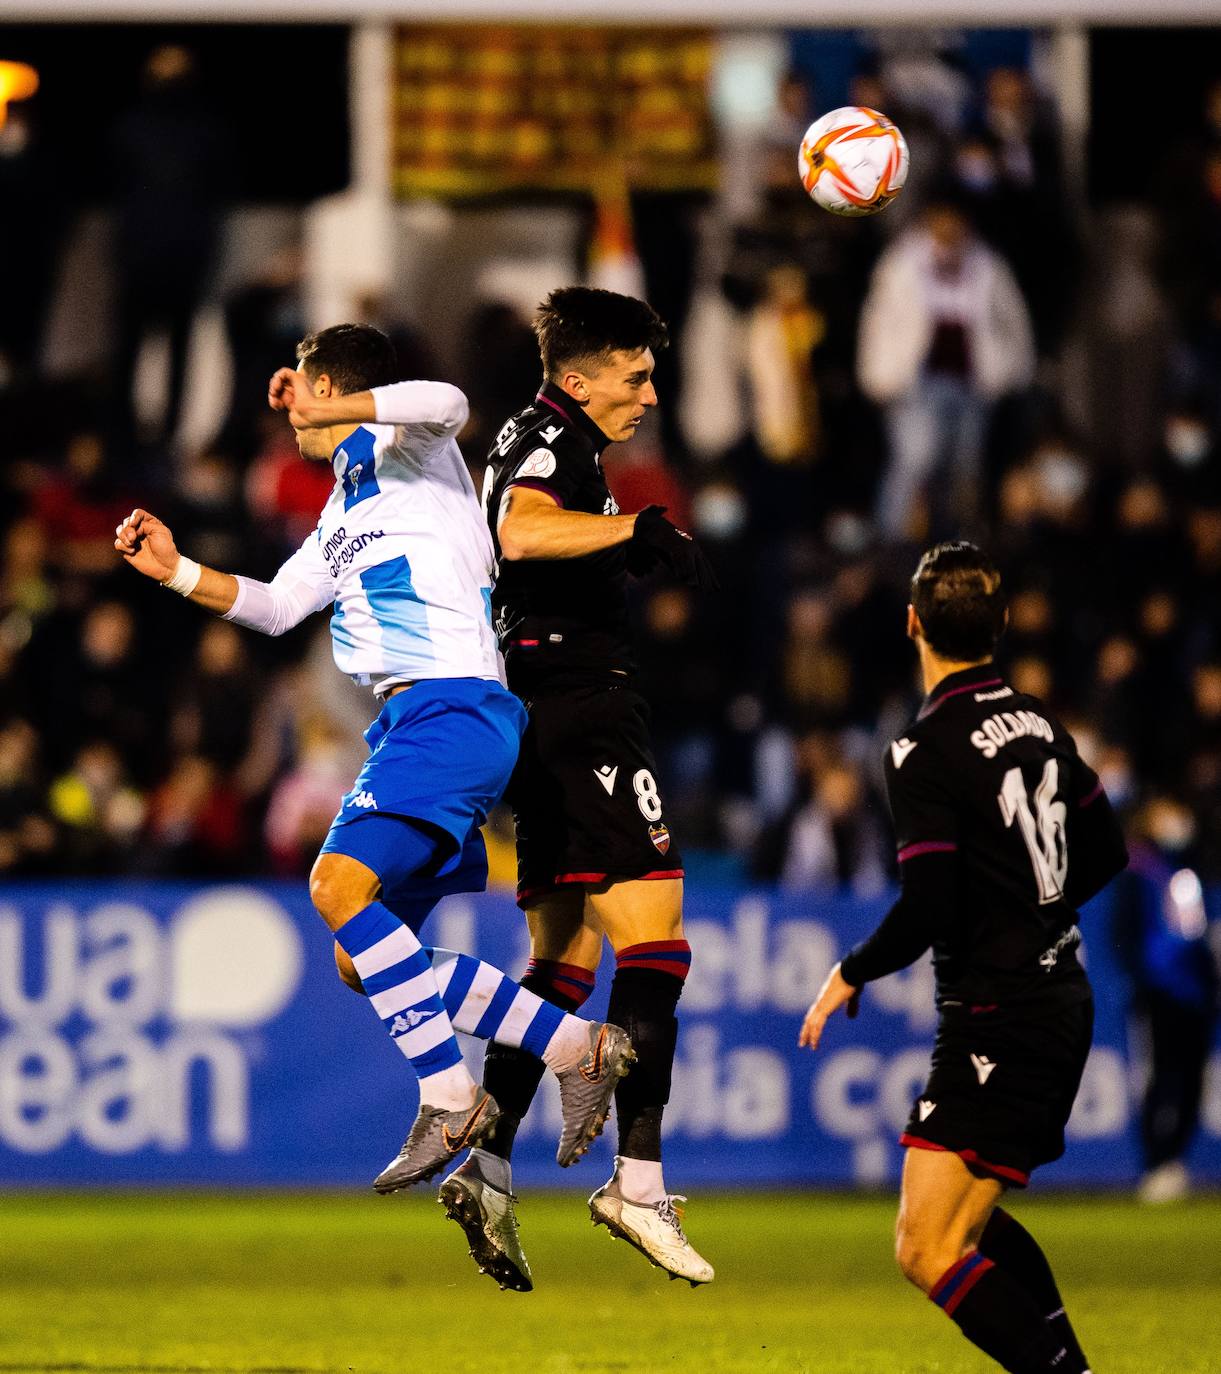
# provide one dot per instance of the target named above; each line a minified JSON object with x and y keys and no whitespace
{"x":441,"y":407}
{"x":273,"y":607}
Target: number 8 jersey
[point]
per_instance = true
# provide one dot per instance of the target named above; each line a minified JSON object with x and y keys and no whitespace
{"x":988,"y":775}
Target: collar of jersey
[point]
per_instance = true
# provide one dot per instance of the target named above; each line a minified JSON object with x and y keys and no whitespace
{"x":345,"y":446}
{"x":965,"y":680}
{"x":550,"y":397}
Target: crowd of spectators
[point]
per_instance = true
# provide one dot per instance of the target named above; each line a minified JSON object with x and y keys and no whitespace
{"x":978,"y":361}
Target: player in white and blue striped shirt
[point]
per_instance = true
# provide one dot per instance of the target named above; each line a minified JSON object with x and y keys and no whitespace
{"x":402,"y":557}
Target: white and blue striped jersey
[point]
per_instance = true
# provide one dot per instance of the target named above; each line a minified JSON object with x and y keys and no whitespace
{"x":401,"y":552}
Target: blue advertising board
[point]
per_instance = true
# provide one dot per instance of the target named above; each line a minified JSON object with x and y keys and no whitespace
{"x":193,"y":1034}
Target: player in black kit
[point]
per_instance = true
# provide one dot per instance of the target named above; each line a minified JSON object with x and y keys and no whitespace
{"x":595,"y":855}
{"x":1002,"y":833}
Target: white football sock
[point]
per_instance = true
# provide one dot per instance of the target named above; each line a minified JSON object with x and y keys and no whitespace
{"x":640,"y":1180}
{"x":451,"y":1089}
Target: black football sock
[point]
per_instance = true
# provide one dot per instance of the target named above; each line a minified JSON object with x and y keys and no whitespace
{"x":994,"y":1312}
{"x":1007,"y":1242}
{"x":512,"y":1075}
{"x":648,"y":983}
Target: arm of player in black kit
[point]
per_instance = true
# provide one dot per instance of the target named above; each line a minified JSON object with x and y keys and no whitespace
{"x":657,"y":545}
{"x":912,"y":925}
{"x":926,"y":830}
{"x":1097,"y":851}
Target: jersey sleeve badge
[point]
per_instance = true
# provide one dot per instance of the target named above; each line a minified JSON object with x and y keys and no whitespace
{"x":540,"y":463}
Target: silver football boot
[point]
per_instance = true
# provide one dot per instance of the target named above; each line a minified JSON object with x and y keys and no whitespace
{"x":587,"y":1088}
{"x":436,"y":1137}
{"x":654,"y":1228}
{"x":489,"y":1222}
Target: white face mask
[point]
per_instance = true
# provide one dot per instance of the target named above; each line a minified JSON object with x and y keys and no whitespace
{"x":976,"y":171}
{"x":719,"y":512}
{"x":1187,"y":442}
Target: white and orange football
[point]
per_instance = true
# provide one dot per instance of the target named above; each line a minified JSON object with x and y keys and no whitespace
{"x":853,"y":161}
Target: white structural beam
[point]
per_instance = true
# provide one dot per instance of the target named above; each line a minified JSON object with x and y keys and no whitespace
{"x":795,"y":13}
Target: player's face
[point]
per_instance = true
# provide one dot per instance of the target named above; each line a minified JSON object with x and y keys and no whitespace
{"x":620,"y":392}
{"x":316,"y":444}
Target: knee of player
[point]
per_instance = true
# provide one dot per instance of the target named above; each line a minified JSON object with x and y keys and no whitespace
{"x":921,"y":1260}
{"x":340,"y":887}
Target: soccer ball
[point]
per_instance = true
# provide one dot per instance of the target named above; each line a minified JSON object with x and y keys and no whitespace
{"x":853,"y":161}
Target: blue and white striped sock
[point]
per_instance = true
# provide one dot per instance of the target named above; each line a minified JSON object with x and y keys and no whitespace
{"x":486,"y":1003}
{"x":398,"y":977}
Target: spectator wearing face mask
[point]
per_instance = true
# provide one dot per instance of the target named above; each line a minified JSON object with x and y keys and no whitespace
{"x":944,"y":334}
{"x":1161,"y":931}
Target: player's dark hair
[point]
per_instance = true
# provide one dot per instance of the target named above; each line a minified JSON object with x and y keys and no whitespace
{"x":956,"y":593}
{"x":581,"y":326}
{"x":356,"y":357}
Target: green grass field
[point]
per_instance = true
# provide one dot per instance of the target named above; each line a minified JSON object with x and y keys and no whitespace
{"x":276,"y":1285}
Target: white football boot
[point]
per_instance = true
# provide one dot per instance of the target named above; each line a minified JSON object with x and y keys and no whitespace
{"x":486,"y":1215}
{"x":654,"y":1228}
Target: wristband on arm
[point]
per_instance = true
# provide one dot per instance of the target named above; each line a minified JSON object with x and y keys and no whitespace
{"x":185,"y":577}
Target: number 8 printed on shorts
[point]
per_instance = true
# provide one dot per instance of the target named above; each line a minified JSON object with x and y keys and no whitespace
{"x":646,"y":795}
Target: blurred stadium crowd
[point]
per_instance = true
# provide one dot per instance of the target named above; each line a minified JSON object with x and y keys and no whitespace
{"x":1050,"y":385}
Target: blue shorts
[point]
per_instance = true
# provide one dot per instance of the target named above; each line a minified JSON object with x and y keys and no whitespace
{"x":440,"y":755}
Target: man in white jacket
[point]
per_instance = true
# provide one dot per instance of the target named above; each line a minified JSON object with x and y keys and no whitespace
{"x":944,"y":333}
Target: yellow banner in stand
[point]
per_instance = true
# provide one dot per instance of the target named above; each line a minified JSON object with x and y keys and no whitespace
{"x":486,"y":110}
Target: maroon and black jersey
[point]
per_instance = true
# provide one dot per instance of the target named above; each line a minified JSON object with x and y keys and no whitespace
{"x":1002,"y":832}
{"x":557,"y":617}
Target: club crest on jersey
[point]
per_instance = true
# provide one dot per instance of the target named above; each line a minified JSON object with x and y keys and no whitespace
{"x":540,"y":463}
{"x":659,"y":833}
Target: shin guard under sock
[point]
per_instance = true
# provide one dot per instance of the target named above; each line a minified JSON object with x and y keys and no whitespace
{"x":511,"y":1075}
{"x":994,"y":1312}
{"x":648,"y":983}
{"x":398,"y":978}
{"x":1006,"y":1242}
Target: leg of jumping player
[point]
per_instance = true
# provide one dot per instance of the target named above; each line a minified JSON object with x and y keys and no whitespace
{"x":382,"y":953}
{"x":565,"y":947}
{"x":944,"y":1211}
{"x":643,"y":920}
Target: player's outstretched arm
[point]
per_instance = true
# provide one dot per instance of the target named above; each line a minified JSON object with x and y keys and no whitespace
{"x":533,"y":524}
{"x":147,"y":544}
{"x":441,"y":407}
{"x":834,"y":993}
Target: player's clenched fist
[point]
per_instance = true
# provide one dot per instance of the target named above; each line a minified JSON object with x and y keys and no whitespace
{"x":291,"y":391}
{"x":147,"y":545}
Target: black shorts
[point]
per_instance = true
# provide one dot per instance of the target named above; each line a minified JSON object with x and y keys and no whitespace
{"x":1002,"y":1086}
{"x":584,"y":792}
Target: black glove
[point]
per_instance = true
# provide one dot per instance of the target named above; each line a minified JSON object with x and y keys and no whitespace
{"x":656,"y":545}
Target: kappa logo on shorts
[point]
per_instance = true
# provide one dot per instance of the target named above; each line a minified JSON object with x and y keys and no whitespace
{"x":983,"y":1067}
{"x":606,"y":775}
{"x":408,"y":1020}
{"x":660,"y":835}
{"x":925,"y":1108}
{"x":365,"y":800}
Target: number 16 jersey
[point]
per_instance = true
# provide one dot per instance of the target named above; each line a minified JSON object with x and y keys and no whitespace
{"x":986,"y":774}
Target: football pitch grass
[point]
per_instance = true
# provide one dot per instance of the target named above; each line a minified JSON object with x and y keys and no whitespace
{"x":272,"y":1284}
